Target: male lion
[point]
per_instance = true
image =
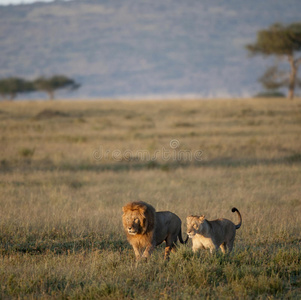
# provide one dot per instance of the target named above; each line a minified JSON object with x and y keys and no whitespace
{"x":212,"y":234}
{"x":145,"y":228}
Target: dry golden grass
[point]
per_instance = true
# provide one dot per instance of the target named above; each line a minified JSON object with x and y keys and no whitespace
{"x":59,"y":199}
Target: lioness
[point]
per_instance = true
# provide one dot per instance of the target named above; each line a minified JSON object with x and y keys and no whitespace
{"x":212,"y":234}
{"x":145,"y":228}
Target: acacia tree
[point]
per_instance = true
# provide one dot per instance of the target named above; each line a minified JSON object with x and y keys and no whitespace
{"x":12,"y":86}
{"x":284,"y":42}
{"x":50,"y":85}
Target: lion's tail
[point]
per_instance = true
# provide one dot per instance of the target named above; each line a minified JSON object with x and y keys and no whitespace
{"x":239,"y":215}
{"x":181,"y":239}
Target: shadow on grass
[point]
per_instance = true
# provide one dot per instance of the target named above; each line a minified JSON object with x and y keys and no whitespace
{"x":80,"y":245}
{"x":65,"y":247}
{"x":223,"y":162}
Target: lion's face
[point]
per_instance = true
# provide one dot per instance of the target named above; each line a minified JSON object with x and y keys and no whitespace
{"x":133,"y":222}
{"x":194,"y":225}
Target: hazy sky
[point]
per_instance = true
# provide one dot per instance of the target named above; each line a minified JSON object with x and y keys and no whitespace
{"x":6,"y":2}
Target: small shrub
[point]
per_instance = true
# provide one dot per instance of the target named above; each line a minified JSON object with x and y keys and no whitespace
{"x":183,"y":124}
{"x":27,"y":152}
{"x":270,"y":94}
{"x":294,"y":158}
{"x":48,"y":114}
{"x":152,"y":165}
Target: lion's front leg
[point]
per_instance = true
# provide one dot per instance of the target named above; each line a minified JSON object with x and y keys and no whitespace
{"x":148,"y":251}
{"x":138,"y":252}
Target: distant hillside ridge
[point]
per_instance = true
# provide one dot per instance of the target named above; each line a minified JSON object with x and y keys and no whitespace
{"x":126,"y":48}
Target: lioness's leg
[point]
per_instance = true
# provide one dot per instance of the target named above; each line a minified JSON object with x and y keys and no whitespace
{"x":230,"y":243}
{"x":197,"y":246}
{"x":213,"y":248}
{"x":223,"y":247}
{"x":195,"y":249}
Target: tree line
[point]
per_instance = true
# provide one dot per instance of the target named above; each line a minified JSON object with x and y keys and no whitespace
{"x":11,"y":87}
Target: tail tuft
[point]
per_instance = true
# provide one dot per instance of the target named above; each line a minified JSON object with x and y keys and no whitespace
{"x":234,"y":209}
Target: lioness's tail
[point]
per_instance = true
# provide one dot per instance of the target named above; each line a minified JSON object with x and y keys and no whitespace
{"x":239,"y":215}
{"x":180,"y":238}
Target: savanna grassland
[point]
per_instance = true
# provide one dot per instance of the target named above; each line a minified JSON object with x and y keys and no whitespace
{"x":67,"y":168}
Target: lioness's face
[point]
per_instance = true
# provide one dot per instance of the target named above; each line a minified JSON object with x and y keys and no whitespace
{"x":194,"y":225}
{"x":132,"y":222}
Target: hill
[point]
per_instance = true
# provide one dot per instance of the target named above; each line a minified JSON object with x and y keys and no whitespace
{"x":129,"y":48}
